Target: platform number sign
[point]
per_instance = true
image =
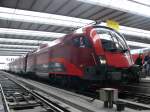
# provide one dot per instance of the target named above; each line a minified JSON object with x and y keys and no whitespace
{"x":10,"y":59}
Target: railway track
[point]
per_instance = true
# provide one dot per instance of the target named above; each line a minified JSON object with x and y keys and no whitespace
{"x":136,"y":93}
{"x":139,"y":98}
{"x":17,"y":97}
{"x":134,"y":101}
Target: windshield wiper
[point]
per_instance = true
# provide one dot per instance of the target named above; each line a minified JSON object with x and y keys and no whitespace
{"x":124,"y":50}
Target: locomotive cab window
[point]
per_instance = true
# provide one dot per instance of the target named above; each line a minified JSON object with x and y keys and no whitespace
{"x":81,"y":42}
{"x":120,"y":42}
{"x":111,"y":41}
{"x":106,"y":39}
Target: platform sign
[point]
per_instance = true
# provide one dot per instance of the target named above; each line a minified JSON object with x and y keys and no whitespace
{"x":113,"y":24}
{"x":4,"y":60}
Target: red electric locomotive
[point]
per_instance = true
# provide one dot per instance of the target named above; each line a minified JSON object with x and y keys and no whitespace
{"x":92,"y":53}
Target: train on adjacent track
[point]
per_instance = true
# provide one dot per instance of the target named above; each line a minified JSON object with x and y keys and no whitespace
{"x":93,"y":53}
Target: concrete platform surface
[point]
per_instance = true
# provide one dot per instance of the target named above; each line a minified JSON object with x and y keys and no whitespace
{"x":146,"y":79}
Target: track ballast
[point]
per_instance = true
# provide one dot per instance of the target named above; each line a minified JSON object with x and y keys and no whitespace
{"x":17,"y":97}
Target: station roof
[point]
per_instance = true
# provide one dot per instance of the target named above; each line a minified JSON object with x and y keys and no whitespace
{"x":14,"y":15}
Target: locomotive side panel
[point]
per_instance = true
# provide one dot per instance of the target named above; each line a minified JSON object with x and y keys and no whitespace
{"x":31,"y":63}
{"x":22,"y":64}
{"x":42,"y":63}
{"x":61,"y":58}
{"x":17,"y":65}
{"x":72,"y":56}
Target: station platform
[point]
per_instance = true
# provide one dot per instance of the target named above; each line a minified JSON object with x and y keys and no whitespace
{"x":146,"y":79}
{"x":72,"y":101}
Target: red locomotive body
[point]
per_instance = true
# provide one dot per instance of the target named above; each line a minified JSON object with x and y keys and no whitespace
{"x":30,"y":63}
{"x":91,"y":53}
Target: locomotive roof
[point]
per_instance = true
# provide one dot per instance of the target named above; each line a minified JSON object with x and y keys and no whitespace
{"x":59,"y":40}
{"x":100,"y":26}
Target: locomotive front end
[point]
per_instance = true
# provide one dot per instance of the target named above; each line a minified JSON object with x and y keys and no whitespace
{"x":113,"y":58}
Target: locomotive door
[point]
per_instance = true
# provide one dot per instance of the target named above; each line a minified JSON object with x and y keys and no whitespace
{"x":115,"y":49}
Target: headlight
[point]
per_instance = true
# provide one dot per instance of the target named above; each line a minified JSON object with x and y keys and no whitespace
{"x":102,"y":60}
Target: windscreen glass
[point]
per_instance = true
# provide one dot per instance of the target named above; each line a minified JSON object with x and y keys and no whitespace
{"x":111,"y":40}
{"x":120,"y":41}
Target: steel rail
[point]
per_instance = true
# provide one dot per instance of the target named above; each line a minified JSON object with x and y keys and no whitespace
{"x":55,"y":107}
{"x":5,"y":104}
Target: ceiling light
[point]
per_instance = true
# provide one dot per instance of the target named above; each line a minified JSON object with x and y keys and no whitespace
{"x":36,"y":42}
{"x":22,"y":41}
{"x":16,"y":50}
{"x":138,"y":44}
{"x":8,"y":54}
{"x":17,"y":46}
{"x":144,"y":2}
{"x":12,"y":52}
{"x":134,"y":51}
{"x":41,"y":18}
{"x":30,"y":33}
{"x":123,"y":5}
{"x":17,"y":55}
{"x":132,"y":31}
